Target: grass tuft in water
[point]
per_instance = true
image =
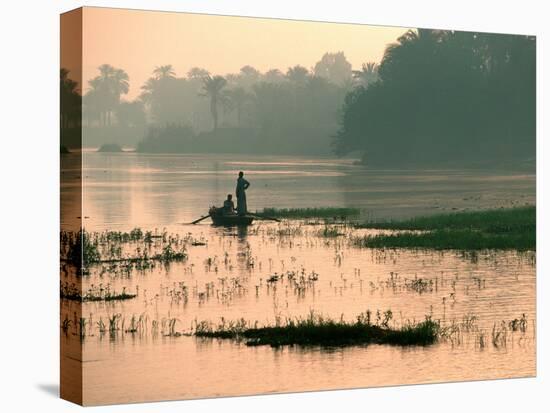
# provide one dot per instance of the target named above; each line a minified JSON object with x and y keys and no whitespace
{"x":316,"y":330}
{"x":81,"y":249}
{"x":94,"y":293}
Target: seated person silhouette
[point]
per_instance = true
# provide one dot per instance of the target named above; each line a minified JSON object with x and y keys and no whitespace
{"x":229,"y":206}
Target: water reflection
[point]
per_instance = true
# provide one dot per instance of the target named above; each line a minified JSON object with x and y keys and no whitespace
{"x":179,"y":188}
{"x":228,"y":276}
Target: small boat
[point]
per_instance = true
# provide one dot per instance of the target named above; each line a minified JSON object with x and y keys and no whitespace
{"x":219,"y":218}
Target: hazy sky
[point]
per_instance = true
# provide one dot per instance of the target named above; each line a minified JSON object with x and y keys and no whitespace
{"x":137,"y":41}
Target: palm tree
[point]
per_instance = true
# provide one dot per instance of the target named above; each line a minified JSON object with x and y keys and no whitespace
{"x":120,"y":84}
{"x":212,"y":87}
{"x":197,"y":73}
{"x":171,"y":99}
{"x":297,"y":75}
{"x":151,"y":87}
{"x":237,"y":99}
{"x":131,"y":113}
{"x":148,"y":89}
{"x":367,"y":75}
{"x":108,"y":87}
{"x":67,"y":84}
{"x":97,"y":101}
{"x":70,"y":99}
{"x":248,"y":75}
{"x":273,"y":76}
{"x":333,"y":67}
{"x":164,"y":72}
{"x":413,"y":50}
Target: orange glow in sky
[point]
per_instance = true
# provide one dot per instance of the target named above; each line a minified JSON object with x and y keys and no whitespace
{"x":137,"y":41}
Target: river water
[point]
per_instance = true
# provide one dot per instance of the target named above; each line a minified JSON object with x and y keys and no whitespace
{"x":226,"y":279}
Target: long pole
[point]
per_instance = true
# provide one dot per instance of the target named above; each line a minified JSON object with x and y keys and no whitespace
{"x":199,"y":220}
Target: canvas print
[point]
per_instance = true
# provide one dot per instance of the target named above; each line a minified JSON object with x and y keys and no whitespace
{"x":253,"y":206}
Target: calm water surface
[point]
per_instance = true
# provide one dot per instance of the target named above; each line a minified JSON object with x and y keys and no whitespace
{"x":228,"y":277}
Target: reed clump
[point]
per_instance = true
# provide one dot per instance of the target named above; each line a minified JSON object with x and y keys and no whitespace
{"x":299,"y":213}
{"x":94,"y":293}
{"x":316,"y":330}
{"x":84,"y":248}
{"x":505,"y":229}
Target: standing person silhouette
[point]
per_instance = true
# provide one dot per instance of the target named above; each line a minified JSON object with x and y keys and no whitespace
{"x":242,"y":186}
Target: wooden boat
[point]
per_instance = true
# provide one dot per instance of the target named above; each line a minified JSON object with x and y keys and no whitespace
{"x":219,"y":218}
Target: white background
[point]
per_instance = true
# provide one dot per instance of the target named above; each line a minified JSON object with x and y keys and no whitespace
{"x":29,"y":327}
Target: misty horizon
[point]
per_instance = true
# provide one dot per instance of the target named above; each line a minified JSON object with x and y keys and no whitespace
{"x":411,"y":95}
{"x":138,"y":41}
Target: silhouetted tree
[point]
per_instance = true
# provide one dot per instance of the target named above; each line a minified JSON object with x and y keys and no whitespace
{"x":298,"y":75}
{"x":197,"y":73}
{"x":273,"y":76}
{"x":333,"y":67}
{"x":445,"y":95}
{"x":106,"y":89}
{"x":237,"y":99}
{"x":367,"y":75}
{"x":212,"y":88}
{"x":172,"y":100}
{"x":248,"y":76}
{"x":164,"y":72}
{"x":69,"y":95}
{"x":130,"y":114}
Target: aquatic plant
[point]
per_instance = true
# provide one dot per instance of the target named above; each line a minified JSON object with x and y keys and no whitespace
{"x":84,"y":249}
{"x":82,"y":323}
{"x":450,"y":240}
{"x":329,"y":231}
{"x":94,"y":293}
{"x":518,"y":324}
{"x":512,"y":228}
{"x":285,"y":229}
{"x":314,"y":330}
{"x":66,"y":324}
{"x":321,"y":212}
{"x":169,"y":254}
{"x":113,"y":323}
{"x":101,"y":326}
{"x":420,"y":285}
{"x":492,"y":220}
{"x":81,"y":249}
{"x":317,"y":330}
